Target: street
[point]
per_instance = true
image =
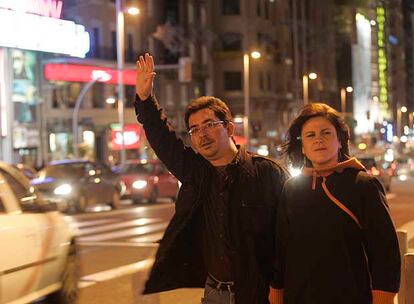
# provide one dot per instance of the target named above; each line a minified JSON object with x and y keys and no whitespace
{"x":117,"y":248}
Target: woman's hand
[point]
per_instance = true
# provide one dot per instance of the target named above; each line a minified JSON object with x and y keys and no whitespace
{"x":145,"y":76}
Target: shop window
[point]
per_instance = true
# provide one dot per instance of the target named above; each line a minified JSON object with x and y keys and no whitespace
{"x":230,"y":7}
{"x":232,"y":41}
{"x":98,"y":95}
{"x":233,"y":81}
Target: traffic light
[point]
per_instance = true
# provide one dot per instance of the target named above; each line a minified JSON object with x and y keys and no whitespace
{"x":184,"y":70}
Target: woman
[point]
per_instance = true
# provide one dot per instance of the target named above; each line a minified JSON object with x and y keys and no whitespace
{"x":336,"y":243}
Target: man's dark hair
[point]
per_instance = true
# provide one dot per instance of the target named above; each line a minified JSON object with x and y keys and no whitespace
{"x":220,"y":109}
{"x":293,"y":147}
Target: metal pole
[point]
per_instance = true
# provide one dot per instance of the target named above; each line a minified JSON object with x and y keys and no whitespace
{"x":343,"y":101}
{"x":246,"y":87}
{"x":75,"y":117}
{"x":120,"y":45}
{"x":409,"y":278}
{"x":305,"y":82}
{"x":398,"y":132}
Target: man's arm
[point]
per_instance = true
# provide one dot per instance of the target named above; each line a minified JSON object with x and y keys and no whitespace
{"x":169,"y":149}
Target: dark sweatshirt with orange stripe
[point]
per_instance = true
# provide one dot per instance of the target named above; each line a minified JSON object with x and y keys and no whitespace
{"x":336,"y":242}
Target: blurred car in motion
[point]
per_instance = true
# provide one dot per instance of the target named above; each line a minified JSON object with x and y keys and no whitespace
{"x":374,"y":167}
{"x":27,"y":171}
{"x":38,"y":256}
{"x":77,"y":185}
{"x":147,"y":180}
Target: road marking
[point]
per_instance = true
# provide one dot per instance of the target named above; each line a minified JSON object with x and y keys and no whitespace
{"x":119,"y":244}
{"x":114,"y":273}
{"x":124,"y":233}
{"x":118,"y":225}
{"x":93,"y":223}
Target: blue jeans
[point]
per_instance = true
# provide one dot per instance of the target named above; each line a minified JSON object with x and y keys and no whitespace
{"x":214,"y":295}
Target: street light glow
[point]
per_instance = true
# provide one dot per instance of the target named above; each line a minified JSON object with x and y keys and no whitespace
{"x":313,"y":76}
{"x":404,"y":109}
{"x":110,"y":100}
{"x":255,"y":55}
{"x":349,"y":89}
{"x":133,"y":11}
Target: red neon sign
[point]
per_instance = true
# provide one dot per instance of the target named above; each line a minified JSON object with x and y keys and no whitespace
{"x":48,"y":8}
{"x":83,"y":73}
{"x":132,"y":137}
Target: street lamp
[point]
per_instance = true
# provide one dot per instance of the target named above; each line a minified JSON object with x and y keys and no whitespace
{"x":120,"y":51}
{"x":246,"y":88}
{"x":305,"y":83}
{"x":96,"y":76}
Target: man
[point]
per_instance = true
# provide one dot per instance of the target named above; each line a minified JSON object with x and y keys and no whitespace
{"x":221,"y":236}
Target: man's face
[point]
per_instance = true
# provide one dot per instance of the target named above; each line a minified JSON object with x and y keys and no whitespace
{"x":212,"y":141}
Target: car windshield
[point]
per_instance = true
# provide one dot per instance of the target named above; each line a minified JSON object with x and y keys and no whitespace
{"x":137,"y":168}
{"x":73,"y":170}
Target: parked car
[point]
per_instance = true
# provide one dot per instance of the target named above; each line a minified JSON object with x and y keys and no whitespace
{"x":147,"y":180}
{"x":78,"y":185}
{"x":38,"y":256}
{"x":375,"y":168}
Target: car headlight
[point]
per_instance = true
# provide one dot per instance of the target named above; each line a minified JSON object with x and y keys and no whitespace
{"x":63,"y":189}
{"x":139,"y":184}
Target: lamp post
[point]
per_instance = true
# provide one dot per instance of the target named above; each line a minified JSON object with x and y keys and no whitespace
{"x":246,"y":89}
{"x":96,"y":76}
{"x":305,"y":84}
{"x":120,"y":51}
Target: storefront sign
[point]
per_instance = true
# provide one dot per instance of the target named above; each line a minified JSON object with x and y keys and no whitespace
{"x":83,"y":73}
{"x":132,"y":136}
{"x":48,"y":8}
{"x":32,"y":32}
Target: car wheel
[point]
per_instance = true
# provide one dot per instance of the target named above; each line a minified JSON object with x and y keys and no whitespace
{"x":81,"y":206}
{"x":68,"y":293}
{"x":116,"y":200}
{"x":153,"y":196}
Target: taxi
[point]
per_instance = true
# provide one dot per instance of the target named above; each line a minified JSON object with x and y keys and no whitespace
{"x":38,"y":253}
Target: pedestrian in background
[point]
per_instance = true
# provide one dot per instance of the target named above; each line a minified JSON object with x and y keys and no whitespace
{"x":335,"y":239}
{"x":221,"y":235}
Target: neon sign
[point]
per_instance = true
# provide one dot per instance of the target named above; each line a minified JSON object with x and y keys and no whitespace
{"x":382,"y":60}
{"x":39,"y":33}
{"x":47,"y":8}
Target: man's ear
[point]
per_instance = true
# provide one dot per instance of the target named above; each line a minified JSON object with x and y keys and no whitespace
{"x":230,"y":128}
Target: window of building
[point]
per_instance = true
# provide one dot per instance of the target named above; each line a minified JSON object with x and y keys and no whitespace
{"x":258,"y":8}
{"x":269,"y":81}
{"x":98,"y":95}
{"x":113,"y":36}
{"x":232,"y":41}
{"x":261,"y":81}
{"x":95,"y":43}
{"x":266,"y":10}
{"x":230,"y":7}
{"x":129,"y":96}
{"x":130,"y":56}
{"x":233,"y":81}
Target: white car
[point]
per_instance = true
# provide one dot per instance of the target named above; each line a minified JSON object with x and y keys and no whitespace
{"x":38,"y":252}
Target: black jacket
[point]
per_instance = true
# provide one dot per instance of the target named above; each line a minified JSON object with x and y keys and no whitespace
{"x":326,"y":255}
{"x":253,"y":203}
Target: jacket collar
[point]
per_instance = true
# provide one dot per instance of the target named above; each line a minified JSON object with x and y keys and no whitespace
{"x":350,"y":163}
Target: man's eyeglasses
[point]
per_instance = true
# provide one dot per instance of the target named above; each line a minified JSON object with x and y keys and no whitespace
{"x":207,"y":126}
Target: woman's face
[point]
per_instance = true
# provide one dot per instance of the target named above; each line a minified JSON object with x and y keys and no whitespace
{"x":320,"y":143}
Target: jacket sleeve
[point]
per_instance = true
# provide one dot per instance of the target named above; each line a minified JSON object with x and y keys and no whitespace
{"x":380,"y":238}
{"x":169,"y":149}
{"x":281,"y":238}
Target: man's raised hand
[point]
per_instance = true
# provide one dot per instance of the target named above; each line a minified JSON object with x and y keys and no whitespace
{"x":145,"y":76}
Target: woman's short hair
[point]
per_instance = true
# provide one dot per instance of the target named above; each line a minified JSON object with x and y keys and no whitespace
{"x":292,"y":148}
{"x":219,"y":107}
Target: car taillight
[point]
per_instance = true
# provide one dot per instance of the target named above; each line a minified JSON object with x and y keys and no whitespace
{"x":375,"y":171}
